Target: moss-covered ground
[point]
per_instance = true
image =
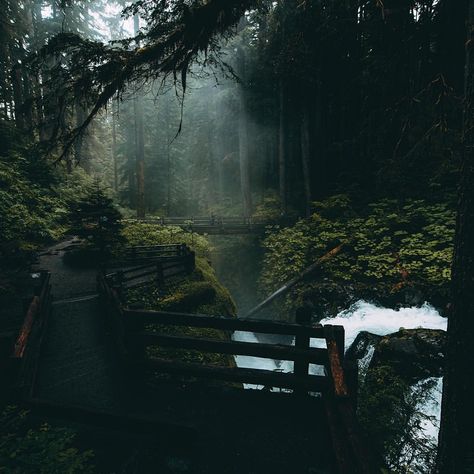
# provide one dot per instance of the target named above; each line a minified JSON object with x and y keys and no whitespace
{"x":200,"y":292}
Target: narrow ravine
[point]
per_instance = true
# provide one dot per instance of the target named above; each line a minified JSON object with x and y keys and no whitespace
{"x":361,"y":316}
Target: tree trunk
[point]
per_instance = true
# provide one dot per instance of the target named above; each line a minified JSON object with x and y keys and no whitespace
{"x":456,"y":440}
{"x":169,"y":173}
{"x":452,"y":18}
{"x":114,"y":145}
{"x":140,"y":146}
{"x":305,"y":157}
{"x":79,"y":145}
{"x":16,"y":77}
{"x":282,"y":147}
{"x":244,"y":141}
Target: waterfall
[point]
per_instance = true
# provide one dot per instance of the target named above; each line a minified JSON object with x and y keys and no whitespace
{"x":364,"y":316}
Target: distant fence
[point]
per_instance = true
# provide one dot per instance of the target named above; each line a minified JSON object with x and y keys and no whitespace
{"x":145,"y":265}
{"x":217,"y":224}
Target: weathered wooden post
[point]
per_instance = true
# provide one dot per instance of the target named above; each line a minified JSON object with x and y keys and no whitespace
{"x":160,"y":275}
{"x":351,"y":373}
{"x":301,"y":367}
{"x":191,"y":263}
{"x":340,"y":338}
{"x":118,"y":283}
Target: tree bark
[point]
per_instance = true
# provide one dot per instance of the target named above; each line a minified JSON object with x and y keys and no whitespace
{"x":456,"y":440}
{"x":140,"y":146}
{"x":452,"y":17}
{"x":282,"y":146}
{"x":244,"y":141}
{"x":16,"y":78}
{"x":305,"y":157}
{"x":79,"y":145}
{"x":114,"y":145}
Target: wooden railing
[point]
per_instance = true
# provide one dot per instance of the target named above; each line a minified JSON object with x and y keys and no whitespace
{"x":158,"y":262}
{"x":135,"y":330}
{"x":218,"y":224}
{"x":131,"y":328}
{"x":163,"y":253}
{"x":25,"y":357}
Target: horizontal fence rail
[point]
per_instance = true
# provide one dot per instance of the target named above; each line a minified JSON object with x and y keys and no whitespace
{"x":228,"y":324}
{"x":25,"y":355}
{"x":268,"y":378}
{"x":135,"y":330}
{"x":144,"y":265}
{"x":218,"y":224}
{"x":269,"y":351}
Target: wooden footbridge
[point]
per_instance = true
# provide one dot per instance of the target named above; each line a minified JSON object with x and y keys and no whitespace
{"x":216,"y":225}
{"x":226,"y":423}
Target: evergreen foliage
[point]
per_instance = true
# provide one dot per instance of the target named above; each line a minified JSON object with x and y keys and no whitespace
{"x":38,"y":450}
{"x":389,"y":411}
{"x":96,"y":219}
{"x":33,"y":210}
{"x":391,"y":247}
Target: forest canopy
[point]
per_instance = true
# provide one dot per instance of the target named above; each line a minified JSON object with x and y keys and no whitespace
{"x":323,"y":122}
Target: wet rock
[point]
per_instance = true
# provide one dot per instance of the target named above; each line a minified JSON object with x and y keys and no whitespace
{"x":362,"y":344}
{"x":414,"y":354}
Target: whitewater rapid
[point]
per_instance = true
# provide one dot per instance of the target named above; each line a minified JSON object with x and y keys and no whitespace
{"x":361,"y":316}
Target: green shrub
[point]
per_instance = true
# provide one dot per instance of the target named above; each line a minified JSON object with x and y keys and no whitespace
{"x":137,"y":233}
{"x":389,"y":413}
{"x":95,"y":219}
{"x":33,"y":205}
{"x":41,"y":450}
{"x":391,"y":247}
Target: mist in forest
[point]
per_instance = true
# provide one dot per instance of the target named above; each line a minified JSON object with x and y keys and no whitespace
{"x":313,"y":158}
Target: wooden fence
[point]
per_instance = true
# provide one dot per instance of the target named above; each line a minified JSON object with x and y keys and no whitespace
{"x":133,"y":336}
{"x":134,"y":330}
{"x":150,"y":253}
{"x":25,"y":357}
{"x":217,"y":224}
{"x":158,"y":262}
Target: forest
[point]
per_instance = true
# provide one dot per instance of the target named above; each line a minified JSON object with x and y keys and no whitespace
{"x":236,"y":236}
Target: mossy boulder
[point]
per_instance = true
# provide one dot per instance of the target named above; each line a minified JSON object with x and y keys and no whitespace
{"x":398,"y":376}
{"x":412,"y":354}
{"x":188,"y":296}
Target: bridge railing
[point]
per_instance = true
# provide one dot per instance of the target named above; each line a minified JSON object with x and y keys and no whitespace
{"x":157,"y":262}
{"x":137,"y":254}
{"x":25,"y":354}
{"x":135,"y":330}
{"x":233,"y":224}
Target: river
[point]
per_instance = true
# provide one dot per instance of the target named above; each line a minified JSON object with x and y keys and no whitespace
{"x":361,"y":316}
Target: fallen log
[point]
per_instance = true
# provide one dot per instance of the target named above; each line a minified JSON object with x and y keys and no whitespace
{"x":291,"y":283}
